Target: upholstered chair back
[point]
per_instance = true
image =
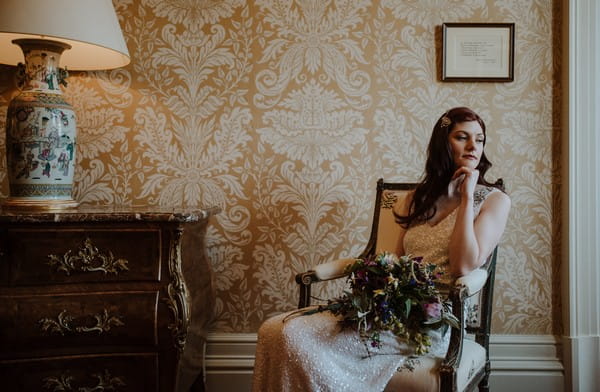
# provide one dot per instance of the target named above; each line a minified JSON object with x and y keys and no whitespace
{"x":385,"y":231}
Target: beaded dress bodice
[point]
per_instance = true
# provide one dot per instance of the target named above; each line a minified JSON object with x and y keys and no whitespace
{"x":431,"y":241}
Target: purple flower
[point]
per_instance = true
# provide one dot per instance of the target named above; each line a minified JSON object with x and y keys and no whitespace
{"x":361,"y":277}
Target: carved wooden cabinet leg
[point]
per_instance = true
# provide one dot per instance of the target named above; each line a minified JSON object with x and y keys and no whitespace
{"x":196,"y":271}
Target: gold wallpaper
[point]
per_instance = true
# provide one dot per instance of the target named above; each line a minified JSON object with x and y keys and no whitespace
{"x":285,"y":112}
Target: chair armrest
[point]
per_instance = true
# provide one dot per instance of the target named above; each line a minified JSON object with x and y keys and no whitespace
{"x":473,"y":281}
{"x":333,"y":269}
{"x":457,"y":295}
{"x":326,"y":271}
{"x":463,"y":287}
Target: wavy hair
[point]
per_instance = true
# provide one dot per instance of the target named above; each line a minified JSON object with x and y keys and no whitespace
{"x":440,"y":167}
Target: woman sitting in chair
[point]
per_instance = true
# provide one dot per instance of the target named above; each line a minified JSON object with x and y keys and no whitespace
{"x":454,"y":218}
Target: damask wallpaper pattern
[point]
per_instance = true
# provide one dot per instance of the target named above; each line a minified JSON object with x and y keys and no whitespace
{"x":285,"y":113}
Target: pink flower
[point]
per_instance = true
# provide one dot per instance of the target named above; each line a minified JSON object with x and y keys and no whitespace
{"x":433,"y":310}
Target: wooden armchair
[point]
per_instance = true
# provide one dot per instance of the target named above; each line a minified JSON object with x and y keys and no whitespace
{"x":466,"y":365}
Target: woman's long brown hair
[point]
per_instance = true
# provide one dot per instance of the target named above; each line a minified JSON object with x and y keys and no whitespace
{"x":440,"y":167}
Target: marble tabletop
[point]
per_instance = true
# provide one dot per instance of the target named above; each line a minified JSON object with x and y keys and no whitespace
{"x":112,"y":213}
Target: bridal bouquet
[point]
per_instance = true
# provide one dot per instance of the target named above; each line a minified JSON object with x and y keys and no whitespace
{"x":388,"y":293}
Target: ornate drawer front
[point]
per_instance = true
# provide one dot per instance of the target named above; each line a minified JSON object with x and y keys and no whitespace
{"x":35,"y":256}
{"x":90,"y":322}
{"x":117,"y":373}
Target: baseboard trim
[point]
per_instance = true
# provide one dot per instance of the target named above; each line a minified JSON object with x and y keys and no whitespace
{"x":526,"y":363}
{"x":519,"y":352}
{"x":230,"y":352}
{"x":516,"y":360}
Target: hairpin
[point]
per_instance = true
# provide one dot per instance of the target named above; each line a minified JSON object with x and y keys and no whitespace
{"x":445,"y":121}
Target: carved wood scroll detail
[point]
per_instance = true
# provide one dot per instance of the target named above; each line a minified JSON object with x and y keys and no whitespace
{"x":64,"y":383}
{"x":65,"y":323}
{"x":177,"y":295}
{"x":388,"y":199}
{"x":88,"y":259}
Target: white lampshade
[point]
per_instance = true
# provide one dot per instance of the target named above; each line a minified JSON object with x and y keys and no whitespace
{"x":89,"y":26}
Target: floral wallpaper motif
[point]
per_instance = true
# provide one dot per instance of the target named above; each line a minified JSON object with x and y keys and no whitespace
{"x":285,"y":113}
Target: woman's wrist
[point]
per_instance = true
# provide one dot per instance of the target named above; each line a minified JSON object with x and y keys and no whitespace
{"x":467,"y":198}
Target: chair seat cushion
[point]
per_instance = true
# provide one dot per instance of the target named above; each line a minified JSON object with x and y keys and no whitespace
{"x":425,"y":375}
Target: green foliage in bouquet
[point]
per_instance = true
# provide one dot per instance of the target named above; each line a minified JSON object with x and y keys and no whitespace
{"x":394,"y":294}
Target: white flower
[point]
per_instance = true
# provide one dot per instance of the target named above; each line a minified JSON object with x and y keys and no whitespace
{"x":389,"y":258}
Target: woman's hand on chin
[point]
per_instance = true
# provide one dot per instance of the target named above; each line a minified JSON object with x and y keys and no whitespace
{"x":464,"y":181}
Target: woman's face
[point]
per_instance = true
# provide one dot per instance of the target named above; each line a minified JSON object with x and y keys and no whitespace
{"x":466,"y":144}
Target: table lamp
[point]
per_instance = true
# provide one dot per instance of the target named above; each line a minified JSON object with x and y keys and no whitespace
{"x":50,"y":36}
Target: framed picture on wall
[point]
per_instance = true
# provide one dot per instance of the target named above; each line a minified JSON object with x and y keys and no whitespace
{"x":478,"y":52}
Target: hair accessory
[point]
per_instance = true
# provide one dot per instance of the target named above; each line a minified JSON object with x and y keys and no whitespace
{"x":445,"y":121}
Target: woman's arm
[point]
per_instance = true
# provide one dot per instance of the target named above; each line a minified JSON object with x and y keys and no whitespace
{"x":472,"y":240}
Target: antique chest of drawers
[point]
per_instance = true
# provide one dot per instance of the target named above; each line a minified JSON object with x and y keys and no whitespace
{"x":96,"y":299}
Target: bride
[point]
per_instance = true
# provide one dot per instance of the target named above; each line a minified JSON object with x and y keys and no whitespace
{"x":454,"y":218}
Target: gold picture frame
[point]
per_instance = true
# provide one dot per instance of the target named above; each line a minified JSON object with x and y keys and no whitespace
{"x":478,"y":52}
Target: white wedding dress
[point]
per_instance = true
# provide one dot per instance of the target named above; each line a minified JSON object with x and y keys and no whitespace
{"x":312,"y":353}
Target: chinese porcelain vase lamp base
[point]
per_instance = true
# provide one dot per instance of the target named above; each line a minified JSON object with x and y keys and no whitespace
{"x":82,"y":35}
{"x":40,"y":132}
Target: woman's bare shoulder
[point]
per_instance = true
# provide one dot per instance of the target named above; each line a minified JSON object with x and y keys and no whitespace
{"x":496,"y":200}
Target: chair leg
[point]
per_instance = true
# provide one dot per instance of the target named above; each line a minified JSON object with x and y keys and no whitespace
{"x":484,"y":384}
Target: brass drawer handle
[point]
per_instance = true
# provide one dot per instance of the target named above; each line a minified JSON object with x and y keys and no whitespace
{"x":63,"y":383}
{"x":64,"y":323}
{"x":87,"y":259}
